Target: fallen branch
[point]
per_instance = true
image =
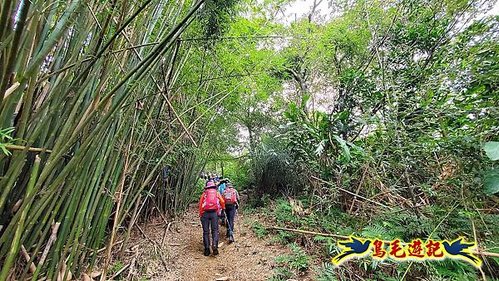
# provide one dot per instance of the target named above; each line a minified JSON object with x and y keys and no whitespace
{"x":155,"y":244}
{"x":164,"y":234}
{"x":307,"y":232}
{"x":53,"y":236}
{"x":103,"y":249}
{"x":120,"y":271}
{"x":32,"y":267}
{"x":485,"y":253}
{"x":131,"y":272}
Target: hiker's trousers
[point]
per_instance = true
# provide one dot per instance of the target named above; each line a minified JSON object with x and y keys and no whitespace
{"x":230,"y":211}
{"x":208,"y":219}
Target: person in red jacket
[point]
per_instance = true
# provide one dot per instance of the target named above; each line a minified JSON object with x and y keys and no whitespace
{"x":210,"y":205}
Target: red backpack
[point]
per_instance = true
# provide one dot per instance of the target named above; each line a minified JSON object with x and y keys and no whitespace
{"x":230,"y":196}
{"x":210,"y":199}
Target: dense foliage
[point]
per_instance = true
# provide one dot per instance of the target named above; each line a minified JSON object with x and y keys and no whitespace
{"x":380,"y":118}
{"x":388,"y":110}
{"x":104,"y":115}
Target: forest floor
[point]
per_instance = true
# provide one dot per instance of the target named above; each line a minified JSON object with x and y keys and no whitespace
{"x":175,"y":252}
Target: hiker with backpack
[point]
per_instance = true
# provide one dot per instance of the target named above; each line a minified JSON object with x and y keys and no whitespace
{"x":231,"y":198}
{"x":221,"y":188}
{"x":222,"y":185}
{"x":211,"y":204}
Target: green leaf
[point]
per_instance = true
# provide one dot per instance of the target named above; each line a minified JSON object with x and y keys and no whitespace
{"x":491,"y":181}
{"x":344,"y":147}
{"x":5,"y":133}
{"x":492,"y":150}
{"x":4,"y":149}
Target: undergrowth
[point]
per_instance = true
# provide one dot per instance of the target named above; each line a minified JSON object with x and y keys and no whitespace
{"x":294,"y":264}
{"x":439,"y":222}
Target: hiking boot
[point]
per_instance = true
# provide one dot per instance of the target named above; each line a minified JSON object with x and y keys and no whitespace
{"x":206,"y":252}
{"x":215,"y":251}
{"x":231,"y":239}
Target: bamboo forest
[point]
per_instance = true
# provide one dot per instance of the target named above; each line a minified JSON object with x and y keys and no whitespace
{"x":249,"y":140}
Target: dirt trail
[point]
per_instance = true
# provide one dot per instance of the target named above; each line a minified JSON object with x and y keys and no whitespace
{"x":249,"y":258}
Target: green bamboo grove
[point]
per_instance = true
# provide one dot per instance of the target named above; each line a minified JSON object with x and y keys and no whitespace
{"x":93,"y":94}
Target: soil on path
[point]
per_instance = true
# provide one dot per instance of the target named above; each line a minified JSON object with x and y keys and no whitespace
{"x":178,"y":254}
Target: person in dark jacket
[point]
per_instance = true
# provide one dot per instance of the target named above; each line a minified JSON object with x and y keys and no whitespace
{"x":231,"y":198}
{"x":221,"y":188}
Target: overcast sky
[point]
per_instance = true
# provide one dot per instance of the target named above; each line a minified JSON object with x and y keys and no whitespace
{"x":300,"y":8}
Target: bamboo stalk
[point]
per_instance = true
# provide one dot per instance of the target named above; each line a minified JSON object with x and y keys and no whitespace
{"x":31,"y":149}
{"x":9,"y":260}
{"x":22,"y":14}
{"x":82,"y":119}
{"x":119,"y":196}
{"x":167,"y":100}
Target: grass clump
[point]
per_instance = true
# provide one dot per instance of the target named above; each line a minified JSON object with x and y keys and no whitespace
{"x":259,"y":230}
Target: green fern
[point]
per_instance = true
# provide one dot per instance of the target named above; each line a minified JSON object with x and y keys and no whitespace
{"x":326,"y":273}
{"x":281,"y":274}
{"x":375,"y":231}
{"x":454,"y":270}
{"x":298,"y":260}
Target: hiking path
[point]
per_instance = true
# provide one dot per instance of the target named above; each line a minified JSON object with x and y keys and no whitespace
{"x":158,"y":251}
